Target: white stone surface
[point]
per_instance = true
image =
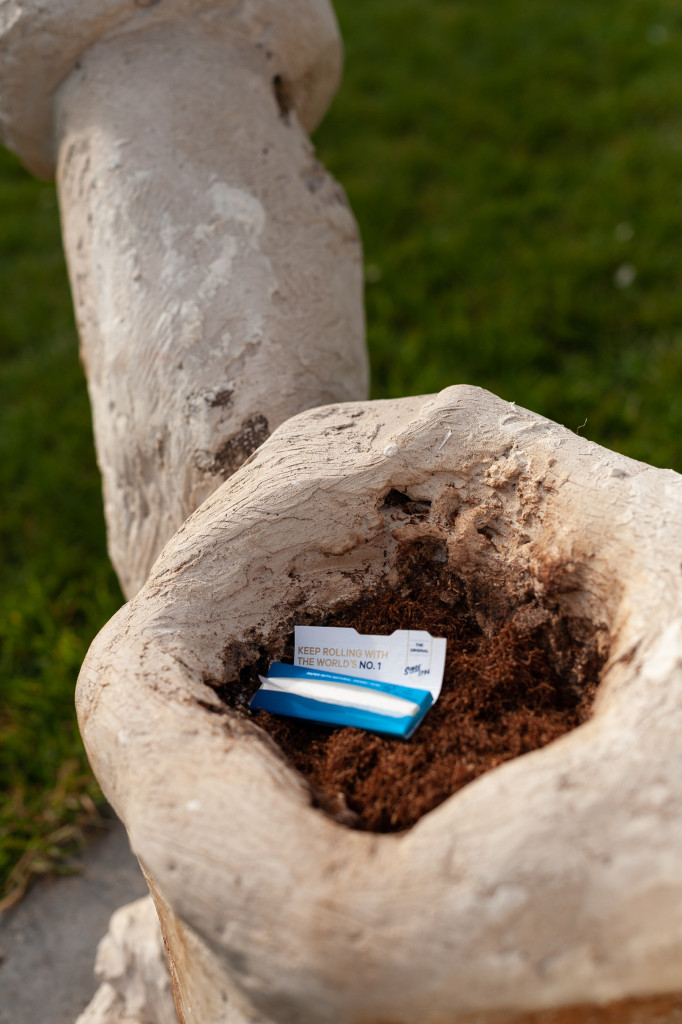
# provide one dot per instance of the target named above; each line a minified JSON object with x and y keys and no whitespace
{"x":549,"y":882}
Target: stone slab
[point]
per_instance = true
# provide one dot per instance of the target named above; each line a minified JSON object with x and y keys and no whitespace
{"x":49,"y":940}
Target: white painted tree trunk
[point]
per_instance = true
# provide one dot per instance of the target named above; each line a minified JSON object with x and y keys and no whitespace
{"x":551,"y":884}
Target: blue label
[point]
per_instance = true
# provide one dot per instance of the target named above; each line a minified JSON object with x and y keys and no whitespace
{"x":295,"y":705}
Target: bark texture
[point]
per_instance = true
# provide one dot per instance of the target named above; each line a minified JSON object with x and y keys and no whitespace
{"x":546,"y":892}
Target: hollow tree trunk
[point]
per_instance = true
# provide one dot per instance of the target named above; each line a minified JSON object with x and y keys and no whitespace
{"x":548,"y":891}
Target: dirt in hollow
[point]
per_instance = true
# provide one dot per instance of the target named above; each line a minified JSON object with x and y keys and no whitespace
{"x":530,"y":677}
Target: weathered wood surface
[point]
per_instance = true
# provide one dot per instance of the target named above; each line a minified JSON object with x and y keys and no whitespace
{"x":215,"y":266}
{"x":41,"y":44}
{"x":553,"y":881}
{"x":131,"y":963}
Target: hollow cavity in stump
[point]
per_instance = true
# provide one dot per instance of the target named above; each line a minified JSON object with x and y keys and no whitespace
{"x":518,"y":675}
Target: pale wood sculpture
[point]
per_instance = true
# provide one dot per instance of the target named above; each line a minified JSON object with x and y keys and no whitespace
{"x":551,"y":883}
{"x":215,"y":266}
{"x":131,"y":962}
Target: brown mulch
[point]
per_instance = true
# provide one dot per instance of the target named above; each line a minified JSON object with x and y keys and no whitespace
{"x":522,"y":683}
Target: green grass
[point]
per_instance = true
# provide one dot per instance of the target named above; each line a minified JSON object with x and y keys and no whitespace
{"x":509,"y":165}
{"x":497,"y":157}
{"x":58,"y":588}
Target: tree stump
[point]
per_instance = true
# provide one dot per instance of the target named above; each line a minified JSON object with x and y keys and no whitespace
{"x":545,"y":892}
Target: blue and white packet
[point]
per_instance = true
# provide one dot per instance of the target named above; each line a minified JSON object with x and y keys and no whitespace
{"x":386,"y":684}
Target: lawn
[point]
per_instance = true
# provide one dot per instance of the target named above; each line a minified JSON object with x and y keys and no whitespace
{"x":516,"y":170}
